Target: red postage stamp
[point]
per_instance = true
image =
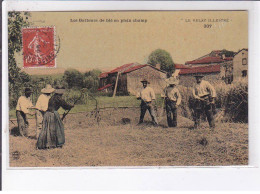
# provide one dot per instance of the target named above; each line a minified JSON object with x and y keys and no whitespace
{"x":38,"y":47}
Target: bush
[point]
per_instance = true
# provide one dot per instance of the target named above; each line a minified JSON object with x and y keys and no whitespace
{"x":73,"y":78}
{"x":236,"y":106}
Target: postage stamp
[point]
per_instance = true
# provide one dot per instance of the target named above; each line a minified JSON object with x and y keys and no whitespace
{"x":38,"y":47}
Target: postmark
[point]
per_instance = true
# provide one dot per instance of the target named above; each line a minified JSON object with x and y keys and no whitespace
{"x":39,"y":47}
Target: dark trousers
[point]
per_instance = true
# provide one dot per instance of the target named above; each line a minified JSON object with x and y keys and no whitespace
{"x":171,"y":112}
{"x":22,"y":123}
{"x":207,"y":108}
{"x":147,"y":106}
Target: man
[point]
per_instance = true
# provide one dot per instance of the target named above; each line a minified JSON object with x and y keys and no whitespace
{"x":172,"y":101}
{"x":147,"y":97}
{"x":42,"y":106}
{"x":204,"y":94}
{"x":22,"y":110}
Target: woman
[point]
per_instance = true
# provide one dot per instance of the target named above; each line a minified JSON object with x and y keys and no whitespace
{"x":52,"y":133}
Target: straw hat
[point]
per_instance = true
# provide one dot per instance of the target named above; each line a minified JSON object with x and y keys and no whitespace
{"x":145,"y":80}
{"x":48,"y":89}
{"x":173,"y":81}
{"x":59,"y":90}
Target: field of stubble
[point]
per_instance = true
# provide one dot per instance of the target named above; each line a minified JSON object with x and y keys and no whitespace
{"x":115,"y":143}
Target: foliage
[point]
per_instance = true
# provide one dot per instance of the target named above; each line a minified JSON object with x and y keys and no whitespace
{"x":94,"y":73}
{"x":17,"y":79}
{"x":73,"y":78}
{"x":91,"y":80}
{"x":227,"y":53}
{"x":163,"y":58}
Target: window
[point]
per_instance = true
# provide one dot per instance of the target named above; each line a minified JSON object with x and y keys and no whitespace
{"x":244,"y":61}
{"x":244,"y":73}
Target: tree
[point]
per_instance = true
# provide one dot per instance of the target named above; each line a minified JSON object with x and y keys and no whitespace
{"x":227,"y":53}
{"x":73,"y":78}
{"x":93,"y":73}
{"x":162,"y":57}
{"x":91,"y":80}
{"x":17,"y":80}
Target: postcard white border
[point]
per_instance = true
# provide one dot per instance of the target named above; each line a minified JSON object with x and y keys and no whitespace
{"x":155,"y":178}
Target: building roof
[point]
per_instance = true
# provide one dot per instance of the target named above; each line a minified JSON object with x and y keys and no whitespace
{"x":103,"y":75}
{"x":134,"y":68}
{"x":181,"y":66}
{"x":206,"y":60}
{"x":214,"y":57}
{"x":228,"y":59}
{"x":200,"y":69}
{"x":124,"y":68}
{"x":127,"y":68}
{"x":104,"y":87}
{"x":244,"y":49}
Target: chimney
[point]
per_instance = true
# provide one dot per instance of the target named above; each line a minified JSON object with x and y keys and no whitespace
{"x":158,"y":66}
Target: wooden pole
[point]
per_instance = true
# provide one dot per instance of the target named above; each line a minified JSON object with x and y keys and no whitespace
{"x":114,"y":94}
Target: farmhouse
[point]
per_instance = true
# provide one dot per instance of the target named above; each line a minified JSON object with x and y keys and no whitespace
{"x":240,"y":64}
{"x":129,"y":78}
{"x":232,"y":65}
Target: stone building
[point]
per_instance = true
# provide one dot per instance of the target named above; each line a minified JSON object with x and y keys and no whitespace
{"x":240,"y":64}
{"x":225,"y":59}
{"x":211,"y":73}
{"x":129,"y":78}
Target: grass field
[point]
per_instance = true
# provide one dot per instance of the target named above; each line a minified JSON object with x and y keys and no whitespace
{"x":103,"y":102}
{"x":115,"y":143}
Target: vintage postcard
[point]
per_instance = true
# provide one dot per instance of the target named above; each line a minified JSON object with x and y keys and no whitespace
{"x":128,"y":88}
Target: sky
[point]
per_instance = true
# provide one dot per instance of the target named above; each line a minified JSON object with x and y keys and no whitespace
{"x":104,"y":45}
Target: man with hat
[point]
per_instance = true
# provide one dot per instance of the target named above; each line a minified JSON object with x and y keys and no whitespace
{"x":204,"y":94}
{"x":172,"y":101}
{"x":42,"y":106}
{"x":147,"y":97}
{"x":22,"y":110}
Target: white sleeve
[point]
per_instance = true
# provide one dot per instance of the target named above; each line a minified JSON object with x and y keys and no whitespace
{"x":211,"y":90}
{"x":178,"y":98}
{"x":152,"y":94}
{"x":194,"y":94}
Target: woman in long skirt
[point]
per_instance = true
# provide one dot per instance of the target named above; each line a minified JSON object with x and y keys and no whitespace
{"x":52,"y":133}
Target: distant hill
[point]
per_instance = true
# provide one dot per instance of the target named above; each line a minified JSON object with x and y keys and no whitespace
{"x":50,"y":71}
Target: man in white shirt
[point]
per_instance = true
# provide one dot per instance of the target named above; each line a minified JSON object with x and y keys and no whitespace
{"x":204,"y":94}
{"x":42,"y":106}
{"x":147,"y":97}
{"x":172,"y":101}
{"x":22,"y":110}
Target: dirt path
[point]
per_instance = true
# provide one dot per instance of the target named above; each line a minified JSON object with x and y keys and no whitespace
{"x":112,"y":143}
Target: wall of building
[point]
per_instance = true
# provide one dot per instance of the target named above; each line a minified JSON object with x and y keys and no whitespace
{"x":188,"y":80}
{"x":122,"y":84}
{"x":155,"y":77}
{"x":102,"y":82}
{"x":240,"y":64}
